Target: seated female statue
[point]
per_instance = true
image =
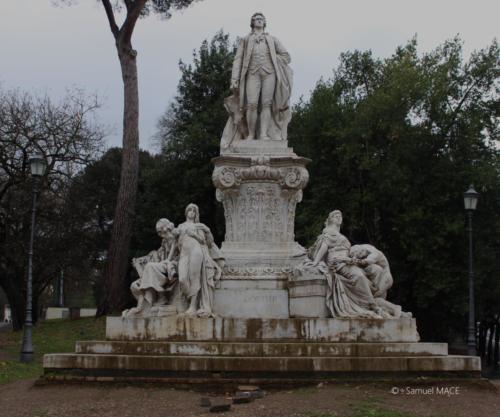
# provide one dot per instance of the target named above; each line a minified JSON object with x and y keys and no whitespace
{"x":350,"y":293}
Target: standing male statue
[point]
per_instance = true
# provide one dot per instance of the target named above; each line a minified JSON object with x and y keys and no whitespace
{"x":261,"y":82}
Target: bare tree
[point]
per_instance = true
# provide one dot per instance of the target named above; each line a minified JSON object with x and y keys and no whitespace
{"x":68,"y":137}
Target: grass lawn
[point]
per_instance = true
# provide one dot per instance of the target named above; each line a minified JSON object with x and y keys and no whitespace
{"x":52,"y":336}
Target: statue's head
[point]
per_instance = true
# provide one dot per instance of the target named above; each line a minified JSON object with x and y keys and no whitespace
{"x":192,"y":213}
{"x":258,"y":20}
{"x":335,"y":217}
{"x":359,"y":251}
{"x":164,"y":227}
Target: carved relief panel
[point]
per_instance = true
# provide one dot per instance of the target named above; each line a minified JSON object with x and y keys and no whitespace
{"x":260,"y":200}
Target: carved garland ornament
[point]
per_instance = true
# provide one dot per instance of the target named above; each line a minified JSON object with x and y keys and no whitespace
{"x":256,"y":271}
{"x":291,"y":177}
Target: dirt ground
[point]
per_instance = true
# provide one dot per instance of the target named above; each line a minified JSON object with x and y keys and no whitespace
{"x":23,"y":399}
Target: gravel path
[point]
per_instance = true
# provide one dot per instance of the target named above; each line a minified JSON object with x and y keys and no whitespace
{"x":23,"y":399}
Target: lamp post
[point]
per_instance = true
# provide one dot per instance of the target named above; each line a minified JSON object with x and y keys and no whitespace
{"x":470,"y":202}
{"x":37,"y":166}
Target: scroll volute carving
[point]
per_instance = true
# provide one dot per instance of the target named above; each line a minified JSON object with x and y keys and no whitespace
{"x":225,"y":177}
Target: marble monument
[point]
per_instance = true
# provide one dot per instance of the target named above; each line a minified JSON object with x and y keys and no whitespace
{"x":261,"y":309}
{"x":259,"y":181}
{"x":261,"y":271}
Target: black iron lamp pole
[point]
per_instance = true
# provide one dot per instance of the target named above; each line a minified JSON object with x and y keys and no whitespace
{"x":37,"y":166}
{"x":470,"y":202}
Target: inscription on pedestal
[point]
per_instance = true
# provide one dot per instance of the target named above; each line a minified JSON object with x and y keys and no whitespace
{"x":268,"y":299}
{"x":246,"y":302}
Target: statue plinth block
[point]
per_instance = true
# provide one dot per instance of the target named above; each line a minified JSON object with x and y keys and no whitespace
{"x":307,"y":292}
{"x":259,"y":194}
{"x":226,"y":329}
{"x":252,"y":147}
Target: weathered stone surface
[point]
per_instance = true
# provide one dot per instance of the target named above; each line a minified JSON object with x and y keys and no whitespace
{"x":256,"y":365}
{"x":240,"y":301}
{"x":307,"y":293}
{"x":242,"y":398}
{"x":253,"y":147}
{"x":308,"y":306}
{"x":257,"y":394}
{"x":259,"y":194}
{"x":258,"y":349}
{"x":220,"y":407}
{"x":282,"y":349}
{"x":232,"y":329}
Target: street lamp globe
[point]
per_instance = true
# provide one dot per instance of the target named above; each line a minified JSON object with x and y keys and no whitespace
{"x":37,"y":165}
{"x":470,"y":198}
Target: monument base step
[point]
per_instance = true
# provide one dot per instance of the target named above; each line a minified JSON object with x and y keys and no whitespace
{"x":259,"y":367}
{"x":254,"y":349}
{"x":259,"y":351}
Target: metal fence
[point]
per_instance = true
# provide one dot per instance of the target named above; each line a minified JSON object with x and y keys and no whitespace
{"x":489,"y":341}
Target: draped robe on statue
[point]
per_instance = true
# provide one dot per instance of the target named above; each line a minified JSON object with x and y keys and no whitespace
{"x":155,"y":272}
{"x":349,"y":293}
{"x":198,"y":269}
{"x":236,"y":126}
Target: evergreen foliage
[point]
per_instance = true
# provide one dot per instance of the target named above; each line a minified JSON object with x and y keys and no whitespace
{"x":90,"y":208}
{"x":189,"y":135}
{"x":394,"y":143}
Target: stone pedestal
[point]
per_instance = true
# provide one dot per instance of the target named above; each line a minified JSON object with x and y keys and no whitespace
{"x":259,"y":185}
{"x":225,"y":329}
{"x":307,"y":292}
{"x":268,"y":352}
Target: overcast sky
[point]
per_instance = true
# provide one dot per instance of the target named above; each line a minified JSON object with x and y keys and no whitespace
{"x":44,"y":49}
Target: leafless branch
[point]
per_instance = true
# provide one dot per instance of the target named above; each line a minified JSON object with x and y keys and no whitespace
{"x":111,"y":17}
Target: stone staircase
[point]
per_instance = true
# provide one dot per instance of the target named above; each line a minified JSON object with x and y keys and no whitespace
{"x":279,"y":352}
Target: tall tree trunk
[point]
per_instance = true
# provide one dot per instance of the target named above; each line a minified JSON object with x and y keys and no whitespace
{"x":117,"y":262}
